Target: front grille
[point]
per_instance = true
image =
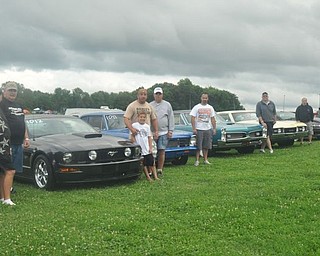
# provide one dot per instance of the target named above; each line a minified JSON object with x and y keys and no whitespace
{"x":290,"y":130}
{"x":173,"y":143}
{"x":103,"y":156}
{"x":256,"y":134}
{"x":233,"y":136}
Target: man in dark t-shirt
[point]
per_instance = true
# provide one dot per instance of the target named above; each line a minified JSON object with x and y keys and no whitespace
{"x":13,"y":112}
{"x":6,"y":166}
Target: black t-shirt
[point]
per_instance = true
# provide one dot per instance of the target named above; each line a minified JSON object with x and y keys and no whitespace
{"x":13,"y":111}
{"x":5,"y":154}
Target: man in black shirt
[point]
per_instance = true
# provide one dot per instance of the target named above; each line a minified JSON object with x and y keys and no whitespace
{"x":6,"y":166}
{"x":14,"y":114}
{"x":304,"y":113}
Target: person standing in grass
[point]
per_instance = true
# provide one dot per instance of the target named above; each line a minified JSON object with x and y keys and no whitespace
{"x":165,"y":124}
{"x":143,"y":137}
{"x":7,"y":170}
{"x":204,"y":127}
{"x":14,"y":114}
{"x":304,"y":113}
{"x":266,"y":113}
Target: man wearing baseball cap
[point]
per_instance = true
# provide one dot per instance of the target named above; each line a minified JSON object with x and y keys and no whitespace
{"x":6,"y":166}
{"x":14,"y":114}
{"x":165,"y":119}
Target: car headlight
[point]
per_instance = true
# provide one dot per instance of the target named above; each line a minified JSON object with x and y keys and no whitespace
{"x":92,"y":155}
{"x":193,"y":140}
{"x":264,"y":132}
{"x":137,"y":151}
{"x":67,"y":157}
{"x":223,"y":134}
{"x":127,"y":152}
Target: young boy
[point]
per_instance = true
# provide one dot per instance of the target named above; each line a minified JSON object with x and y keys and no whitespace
{"x":144,"y":139}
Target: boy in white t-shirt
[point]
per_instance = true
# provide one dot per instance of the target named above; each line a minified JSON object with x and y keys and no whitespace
{"x":144,"y":139}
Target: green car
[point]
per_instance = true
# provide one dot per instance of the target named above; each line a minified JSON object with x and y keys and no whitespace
{"x":242,"y":137}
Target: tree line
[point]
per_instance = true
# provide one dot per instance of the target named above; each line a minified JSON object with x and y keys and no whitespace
{"x":183,"y":95}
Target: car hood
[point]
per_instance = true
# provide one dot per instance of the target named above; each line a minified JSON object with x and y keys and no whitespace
{"x":122,"y":133}
{"x":278,"y":124}
{"x":234,"y":127}
{"x":79,"y":142}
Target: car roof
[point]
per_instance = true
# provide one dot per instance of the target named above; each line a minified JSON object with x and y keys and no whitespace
{"x":109,"y":112}
{"x":44,"y":116}
{"x":236,"y":111}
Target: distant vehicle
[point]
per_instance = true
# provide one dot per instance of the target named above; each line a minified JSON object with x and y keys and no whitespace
{"x":285,"y":132}
{"x":111,"y":122}
{"x":65,"y":149}
{"x":81,"y":111}
{"x":242,"y":137}
{"x":287,"y":115}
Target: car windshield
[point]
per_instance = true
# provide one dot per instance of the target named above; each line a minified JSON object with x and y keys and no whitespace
{"x":218,"y":118}
{"x":115,"y":121}
{"x":286,"y":116}
{"x":38,"y":127}
{"x":244,"y":116}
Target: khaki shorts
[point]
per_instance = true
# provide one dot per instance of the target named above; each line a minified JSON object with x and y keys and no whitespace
{"x":310,"y":128}
{"x":204,"y":139}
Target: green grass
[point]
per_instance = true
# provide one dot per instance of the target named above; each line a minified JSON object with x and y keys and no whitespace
{"x":257,"y":204}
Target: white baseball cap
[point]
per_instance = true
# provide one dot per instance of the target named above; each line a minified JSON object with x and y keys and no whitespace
{"x":158,"y":90}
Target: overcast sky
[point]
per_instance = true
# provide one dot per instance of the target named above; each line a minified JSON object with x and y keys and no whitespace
{"x":243,"y":46}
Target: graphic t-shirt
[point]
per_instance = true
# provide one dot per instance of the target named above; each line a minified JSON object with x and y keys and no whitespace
{"x":203,"y":114}
{"x":13,"y":111}
{"x":135,"y":108}
{"x":142,"y":136}
{"x":5,"y":153}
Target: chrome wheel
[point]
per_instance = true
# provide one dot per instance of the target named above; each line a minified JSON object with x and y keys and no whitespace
{"x":42,"y":173}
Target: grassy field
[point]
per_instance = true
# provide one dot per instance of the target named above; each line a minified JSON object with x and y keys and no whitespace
{"x":257,"y":204}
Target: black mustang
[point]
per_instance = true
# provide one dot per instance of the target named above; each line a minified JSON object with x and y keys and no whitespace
{"x":65,"y":149}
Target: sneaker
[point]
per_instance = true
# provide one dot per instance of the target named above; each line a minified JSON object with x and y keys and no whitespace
{"x":262,"y":151}
{"x":206,"y":162}
{"x":159,"y":171}
{"x":271,"y":151}
{"x":8,"y":202}
{"x":196,"y":163}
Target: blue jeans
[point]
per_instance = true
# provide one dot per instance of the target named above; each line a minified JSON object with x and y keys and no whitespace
{"x":162,"y":142}
{"x":17,"y":157}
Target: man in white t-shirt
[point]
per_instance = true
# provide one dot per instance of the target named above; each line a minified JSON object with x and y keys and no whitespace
{"x":204,"y":127}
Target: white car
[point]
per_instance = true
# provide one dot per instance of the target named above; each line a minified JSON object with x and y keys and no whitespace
{"x":284,"y":132}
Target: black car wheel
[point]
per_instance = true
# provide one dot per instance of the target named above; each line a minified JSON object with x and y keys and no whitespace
{"x":246,"y":150}
{"x":182,"y":160}
{"x":43,"y":176}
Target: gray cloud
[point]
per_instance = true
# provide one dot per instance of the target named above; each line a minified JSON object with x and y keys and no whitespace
{"x":244,"y":46}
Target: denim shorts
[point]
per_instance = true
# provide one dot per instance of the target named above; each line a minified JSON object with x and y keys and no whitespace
{"x":17,"y":157}
{"x":162,"y":142}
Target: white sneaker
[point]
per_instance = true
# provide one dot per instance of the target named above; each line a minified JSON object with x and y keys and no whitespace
{"x":262,"y":151}
{"x":271,"y":151}
{"x":8,"y":202}
{"x":196,"y":163}
{"x":206,"y":162}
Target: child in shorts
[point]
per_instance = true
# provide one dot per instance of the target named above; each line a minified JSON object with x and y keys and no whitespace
{"x":144,"y":139}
